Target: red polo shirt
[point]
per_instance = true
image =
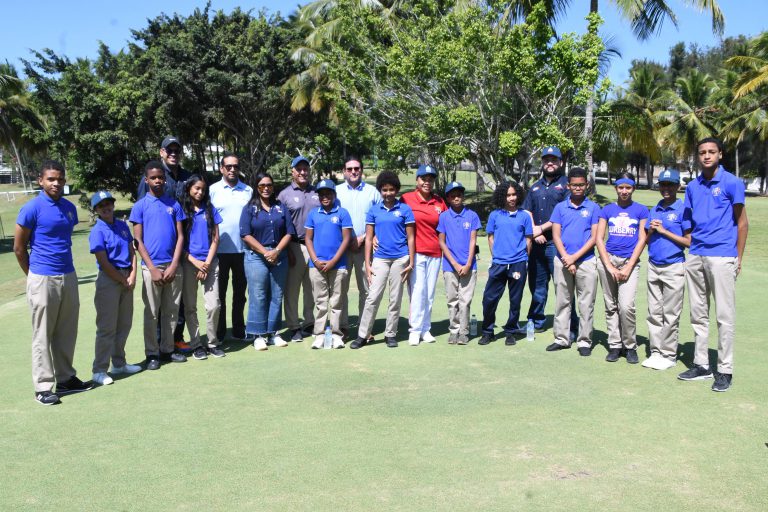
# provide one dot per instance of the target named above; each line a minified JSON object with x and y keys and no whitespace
{"x":427,"y":214}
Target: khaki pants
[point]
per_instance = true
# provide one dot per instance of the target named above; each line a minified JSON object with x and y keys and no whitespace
{"x":114,"y":317}
{"x":620,"y":304}
{"x":327,"y":289}
{"x":384,"y":271}
{"x":55,"y":305}
{"x":210,"y":299}
{"x":356,"y":266}
{"x":584,"y":285}
{"x":459,"y":291}
{"x":163,"y":298}
{"x":666,"y":288}
{"x":298,"y":277}
{"x":715,"y":275}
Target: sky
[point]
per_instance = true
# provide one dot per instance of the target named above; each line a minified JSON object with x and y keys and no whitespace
{"x":74,"y":27}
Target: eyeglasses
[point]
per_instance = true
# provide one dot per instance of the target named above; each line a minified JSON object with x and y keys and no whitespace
{"x":353,"y":168}
{"x":265,"y":186}
{"x":229,"y":167}
{"x":577,"y":185}
{"x":173,"y":151}
{"x":301,"y":170}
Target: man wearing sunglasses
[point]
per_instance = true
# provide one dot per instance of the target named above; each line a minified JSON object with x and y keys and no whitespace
{"x":171,"y":153}
{"x":229,"y":195}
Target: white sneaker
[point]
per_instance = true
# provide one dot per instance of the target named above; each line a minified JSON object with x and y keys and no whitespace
{"x":665,"y":364}
{"x":102,"y":379}
{"x":653,"y":362}
{"x":277,"y":340}
{"x":127,"y":369}
{"x":428,"y":338}
{"x":260,"y":343}
{"x":337,"y":341}
{"x":413,"y":339}
{"x":319,"y":340}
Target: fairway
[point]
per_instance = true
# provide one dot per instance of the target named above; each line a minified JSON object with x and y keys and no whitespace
{"x":433,"y":427}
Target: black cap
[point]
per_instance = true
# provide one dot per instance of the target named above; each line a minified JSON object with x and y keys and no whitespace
{"x":170,"y":140}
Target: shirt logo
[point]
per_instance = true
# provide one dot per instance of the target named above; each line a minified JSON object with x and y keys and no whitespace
{"x":672,"y":217}
{"x":396,"y":213}
{"x":295,"y":199}
{"x":716,"y":191}
{"x":466,"y":225}
{"x":315,"y":198}
{"x":169,"y":210}
{"x":438,"y":210}
{"x":584,"y":213}
{"x":534,"y":189}
{"x":558,"y":187}
{"x":70,"y":216}
{"x":622,"y":225}
{"x":335,"y":219}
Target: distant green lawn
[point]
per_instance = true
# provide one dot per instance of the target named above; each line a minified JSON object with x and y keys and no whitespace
{"x":435,"y":427}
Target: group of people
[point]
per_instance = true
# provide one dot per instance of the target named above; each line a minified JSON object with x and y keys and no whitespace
{"x":312,"y":238}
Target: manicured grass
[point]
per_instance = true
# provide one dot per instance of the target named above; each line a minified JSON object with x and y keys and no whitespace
{"x":435,"y":427}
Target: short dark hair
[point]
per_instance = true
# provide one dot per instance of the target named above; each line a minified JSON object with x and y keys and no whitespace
{"x":152,"y":164}
{"x":51,"y":165}
{"x":626,"y":175}
{"x":387,"y":178}
{"x":500,"y":194}
{"x":356,"y":158}
{"x":227,"y":154}
{"x":577,"y":172}
{"x":711,"y":139}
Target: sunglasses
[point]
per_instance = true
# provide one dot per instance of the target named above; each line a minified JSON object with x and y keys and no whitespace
{"x":353,"y":168}
{"x":229,"y":167}
{"x":171,"y":151}
{"x":265,"y":186}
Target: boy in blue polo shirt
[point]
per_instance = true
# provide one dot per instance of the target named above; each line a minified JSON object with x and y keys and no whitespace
{"x":574,"y":230}
{"x":510,"y":232}
{"x":157,"y":228}
{"x":714,"y":203}
{"x":45,"y":225}
{"x":457,"y":234}
{"x":329,"y":231}
{"x":111,"y":242}
{"x":668,"y":236}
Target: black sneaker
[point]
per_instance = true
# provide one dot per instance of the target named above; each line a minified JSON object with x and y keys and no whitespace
{"x":510,"y":340}
{"x":613,"y":355}
{"x":47,"y":398}
{"x":73,"y":385}
{"x":216,"y":352}
{"x":172,"y":357}
{"x":485,"y":339}
{"x":358,"y":343}
{"x":199,"y":354}
{"x":553,"y":347}
{"x":153,"y":363}
{"x":631,"y":356}
{"x":722,"y":382}
{"x":585,"y":351}
{"x":696,"y":372}
{"x":391,"y":342}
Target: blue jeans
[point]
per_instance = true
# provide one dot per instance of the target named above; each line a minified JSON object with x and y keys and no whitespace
{"x":265,"y":292}
{"x":500,"y":276}
{"x":541,"y":268}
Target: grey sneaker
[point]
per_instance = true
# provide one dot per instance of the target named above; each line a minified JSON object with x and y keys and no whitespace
{"x":47,"y":398}
{"x":453,"y":338}
{"x":462,"y":340}
{"x":632,"y":356}
{"x":696,"y":372}
{"x":613,"y":355}
{"x":722,"y":382}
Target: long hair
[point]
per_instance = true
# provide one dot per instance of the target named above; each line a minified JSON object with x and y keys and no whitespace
{"x":255,"y":197}
{"x":500,"y":194}
{"x":189,"y":208}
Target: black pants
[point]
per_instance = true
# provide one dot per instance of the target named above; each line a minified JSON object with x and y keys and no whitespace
{"x":499,"y":277}
{"x":233,"y":263}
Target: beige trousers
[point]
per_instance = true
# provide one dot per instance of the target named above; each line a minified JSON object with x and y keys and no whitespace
{"x":114,"y":318}
{"x":210,"y":299}
{"x":327,"y":288}
{"x":356,"y":266}
{"x":666,"y":289}
{"x":55,"y":305}
{"x":298,"y":277}
{"x":715,"y":276}
{"x":620,"y":304}
{"x":384,"y":271}
{"x":584,"y":285}
{"x":459,"y":292}
{"x":163,"y":298}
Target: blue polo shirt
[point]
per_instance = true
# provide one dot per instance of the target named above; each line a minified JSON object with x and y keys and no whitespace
{"x":115,"y":240}
{"x":51,"y":223}
{"x":198,"y":244}
{"x":327,"y":234}
{"x":623,"y":227}
{"x":542,"y":198}
{"x":662,"y":250}
{"x":229,"y":201}
{"x":268,"y":227}
{"x":709,"y":207}
{"x":458,"y":228}
{"x":357,"y":201}
{"x":576,"y":225}
{"x":509,"y":230}
{"x":389,"y":226}
{"x":158,"y":217}
{"x":173,"y":188}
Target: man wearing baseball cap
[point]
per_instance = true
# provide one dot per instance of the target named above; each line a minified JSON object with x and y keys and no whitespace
{"x":171,"y":153}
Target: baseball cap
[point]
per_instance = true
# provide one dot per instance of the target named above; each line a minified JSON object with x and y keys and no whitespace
{"x":325,"y":184}
{"x":171,"y":139}
{"x":453,"y":185}
{"x":669,"y":176}
{"x":424,"y":170}
{"x":101,"y":195}
{"x":296,"y":161}
{"x":551,"y":151}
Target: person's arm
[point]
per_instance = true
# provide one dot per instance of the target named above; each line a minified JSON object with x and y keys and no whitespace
{"x":602,"y":226}
{"x":21,"y":238}
{"x":369,"y":233}
{"x":410,"y":233}
{"x":626,"y":270}
{"x":131,"y":279}
{"x":109,"y":269}
{"x":138,"y":235}
{"x":170,"y":270}
{"x":658,"y":226}
{"x":742,"y":225}
{"x":588,"y":245}
{"x":466,"y":269}
{"x":346,"y":236}
{"x":447,"y":253}
{"x":212,"y":249}
{"x":490,"y":245}
{"x":309,"y":241}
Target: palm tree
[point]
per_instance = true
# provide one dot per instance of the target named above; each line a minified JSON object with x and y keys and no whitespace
{"x":754,"y":67}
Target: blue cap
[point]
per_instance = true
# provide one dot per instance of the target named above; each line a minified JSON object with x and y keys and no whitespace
{"x":171,"y":139}
{"x":453,"y":186}
{"x":425,"y":169}
{"x":296,"y":161}
{"x":325,"y":185}
{"x":669,"y":176}
{"x":551,"y":151}
{"x":101,"y":195}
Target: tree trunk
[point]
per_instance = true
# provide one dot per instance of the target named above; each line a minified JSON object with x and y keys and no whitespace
{"x":19,"y":163}
{"x":588,"y":120}
{"x":737,"y":159}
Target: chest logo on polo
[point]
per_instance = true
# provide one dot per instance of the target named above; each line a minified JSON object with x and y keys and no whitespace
{"x":295,"y":199}
{"x":438,"y":210}
{"x":672,"y":217}
{"x":125,"y":234}
{"x":716,"y":191}
{"x":335,"y":219}
{"x":558,"y":187}
{"x":396,"y":213}
{"x":622,"y":225}
{"x":169,"y":210}
{"x":466,"y":225}
{"x":70,"y":216}
{"x":278,"y":209}
{"x":315,"y":198}
{"x":584,"y":213}
{"x":534,"y":189}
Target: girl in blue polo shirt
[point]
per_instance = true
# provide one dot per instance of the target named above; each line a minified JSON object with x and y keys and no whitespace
{"x":112,"y":244}
{"x":201,"y":235}
{"x":624,"y":222}
{"x":510,"y":232}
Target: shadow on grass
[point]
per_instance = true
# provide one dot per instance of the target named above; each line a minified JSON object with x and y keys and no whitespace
{"x":686,"y":351}
{"x":86,"y":279}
